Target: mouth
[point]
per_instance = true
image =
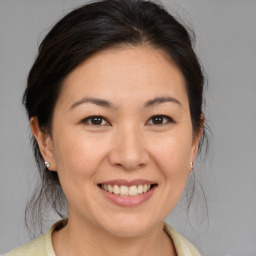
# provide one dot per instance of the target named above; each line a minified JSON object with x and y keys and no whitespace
{"x":127,"y":191}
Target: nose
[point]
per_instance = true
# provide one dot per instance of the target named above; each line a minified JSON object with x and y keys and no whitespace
{"x":128,"y":149}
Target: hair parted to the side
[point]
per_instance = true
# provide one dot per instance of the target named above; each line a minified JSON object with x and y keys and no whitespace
{"x":77,"y":36}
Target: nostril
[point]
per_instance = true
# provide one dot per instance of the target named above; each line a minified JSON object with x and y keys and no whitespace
{"x":128,"y":161}
{"x":128,"y":152}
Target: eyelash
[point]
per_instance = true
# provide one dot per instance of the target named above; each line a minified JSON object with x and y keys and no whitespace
{"x":88,"y":120}
{"x":169,"y":119}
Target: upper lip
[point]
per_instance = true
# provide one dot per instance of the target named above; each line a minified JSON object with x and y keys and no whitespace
{"x":128,"y":183}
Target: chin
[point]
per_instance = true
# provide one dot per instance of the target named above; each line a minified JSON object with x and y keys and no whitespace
{"x":130,"y":227}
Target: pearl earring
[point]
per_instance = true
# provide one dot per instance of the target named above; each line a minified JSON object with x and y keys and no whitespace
{"x":47,"y":164}
{"x":191,"y":165}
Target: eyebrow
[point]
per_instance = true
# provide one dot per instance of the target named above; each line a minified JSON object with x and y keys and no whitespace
{"x":105,"y":103}
{"x":99,"y":102}
{"x":160,"y":100}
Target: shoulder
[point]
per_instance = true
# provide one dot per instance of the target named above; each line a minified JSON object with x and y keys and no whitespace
{"x":42,"y":246}
{"x":182,"y":246}
{"x":35,"y":247}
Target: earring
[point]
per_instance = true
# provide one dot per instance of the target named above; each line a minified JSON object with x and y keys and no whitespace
{"x":191,"y":165}
{"x":47,"y":164}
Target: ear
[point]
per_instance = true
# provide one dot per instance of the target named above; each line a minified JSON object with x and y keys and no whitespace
{"x":196,"y":141}
{"x":44,"y":142}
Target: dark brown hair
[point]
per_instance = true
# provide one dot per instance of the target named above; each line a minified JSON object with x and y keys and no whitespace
{"x":82,"y":33}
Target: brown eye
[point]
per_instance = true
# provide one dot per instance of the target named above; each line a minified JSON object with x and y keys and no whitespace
{"x":95,"y":120}
{"x":157,"y":120}
{"x":160,"y":120}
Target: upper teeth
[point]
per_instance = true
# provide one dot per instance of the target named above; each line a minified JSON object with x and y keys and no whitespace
{"x":125,"y":190}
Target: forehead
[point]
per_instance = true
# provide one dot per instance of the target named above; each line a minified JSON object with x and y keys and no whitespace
{"x":126,"y":72}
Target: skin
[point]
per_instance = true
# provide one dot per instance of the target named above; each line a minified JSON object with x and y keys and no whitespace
{"x":128,"y":144}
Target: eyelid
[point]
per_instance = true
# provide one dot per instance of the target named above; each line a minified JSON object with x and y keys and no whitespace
{"x":169,"y":119}
{"x":107,"y":123}
{"x":87,"y":119}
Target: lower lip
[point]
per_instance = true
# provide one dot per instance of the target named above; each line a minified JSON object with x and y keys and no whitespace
{"x":128,"y":201}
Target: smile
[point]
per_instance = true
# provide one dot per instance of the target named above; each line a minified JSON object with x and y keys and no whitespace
{"x":126,"y":190}
{"x":127,"y":193}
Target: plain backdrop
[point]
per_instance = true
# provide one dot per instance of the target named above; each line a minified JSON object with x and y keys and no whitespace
{"x":226,"y":43}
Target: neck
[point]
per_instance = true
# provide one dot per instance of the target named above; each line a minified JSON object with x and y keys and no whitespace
{"x":77,"y":239}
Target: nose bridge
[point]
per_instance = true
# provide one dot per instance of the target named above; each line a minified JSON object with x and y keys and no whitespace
{"x":128,"y":149}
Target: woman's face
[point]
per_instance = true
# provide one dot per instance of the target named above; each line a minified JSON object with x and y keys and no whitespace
{"x":122,"y":140}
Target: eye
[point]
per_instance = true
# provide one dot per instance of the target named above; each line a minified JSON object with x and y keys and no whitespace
{"x":95,"y":121}
{"x":160,"y":120}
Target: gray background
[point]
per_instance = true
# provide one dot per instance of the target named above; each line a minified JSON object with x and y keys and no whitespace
{"x":226,"y":41}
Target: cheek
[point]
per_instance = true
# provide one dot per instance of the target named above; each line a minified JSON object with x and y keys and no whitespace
{"x":171,"y":156}
{"x":78,"y":155}
{"x":77,"y":160}
{"x":173,"y":153}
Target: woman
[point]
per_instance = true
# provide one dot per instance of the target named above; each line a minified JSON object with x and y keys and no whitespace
{"x":114,"y":100}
